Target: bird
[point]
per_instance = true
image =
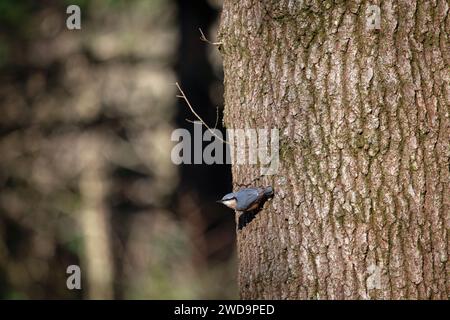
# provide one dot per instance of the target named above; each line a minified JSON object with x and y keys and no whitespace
{"x":247,"y":199}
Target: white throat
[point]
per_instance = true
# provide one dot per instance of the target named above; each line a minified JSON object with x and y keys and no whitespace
{"x":230,"y":203}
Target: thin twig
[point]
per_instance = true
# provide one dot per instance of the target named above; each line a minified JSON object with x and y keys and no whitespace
{"x":183,"y":96}
{"x":203,"y":38}
{"x":191,"y":121}
{"x":217,"y":117}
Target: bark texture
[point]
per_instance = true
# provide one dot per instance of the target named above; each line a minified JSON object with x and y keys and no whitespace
{"x":362,"y":198}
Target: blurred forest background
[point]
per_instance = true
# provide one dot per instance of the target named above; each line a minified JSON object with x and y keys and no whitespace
{"x":85,"y":170}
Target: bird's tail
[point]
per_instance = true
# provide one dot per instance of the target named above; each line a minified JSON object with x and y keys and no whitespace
{"x":268,"y":191}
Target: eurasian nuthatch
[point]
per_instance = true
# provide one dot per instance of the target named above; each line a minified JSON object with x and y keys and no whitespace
{"x":247,"y":199}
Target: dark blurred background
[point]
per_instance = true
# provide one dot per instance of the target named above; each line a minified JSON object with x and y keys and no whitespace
{"x":85,"y":171}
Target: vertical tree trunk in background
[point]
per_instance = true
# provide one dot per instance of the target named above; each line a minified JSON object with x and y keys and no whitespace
{"x":97,"y":267}
{"x":361,"y":206}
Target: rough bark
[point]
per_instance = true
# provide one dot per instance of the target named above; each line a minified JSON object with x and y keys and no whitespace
{"x":362,"y":198}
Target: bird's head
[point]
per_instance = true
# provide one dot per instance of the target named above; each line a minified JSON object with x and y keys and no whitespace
{"x":229,"y":200}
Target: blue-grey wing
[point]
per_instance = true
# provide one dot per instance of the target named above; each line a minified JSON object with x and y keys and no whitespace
{"x":246,"y":197}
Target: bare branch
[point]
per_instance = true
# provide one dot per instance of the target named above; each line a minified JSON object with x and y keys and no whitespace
{"x":217,"y":117}
{"x":203,"y":38}
{"x":183,"y":96}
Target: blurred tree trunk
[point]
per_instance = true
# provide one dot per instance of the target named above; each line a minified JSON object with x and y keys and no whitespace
{"x":361,"y":207}
{"x":94,"y":221}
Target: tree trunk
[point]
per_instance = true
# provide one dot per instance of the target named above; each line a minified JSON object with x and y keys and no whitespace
{"x":362,"y":200}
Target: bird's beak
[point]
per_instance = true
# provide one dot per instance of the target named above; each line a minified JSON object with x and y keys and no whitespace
{"x":219,"y":201}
